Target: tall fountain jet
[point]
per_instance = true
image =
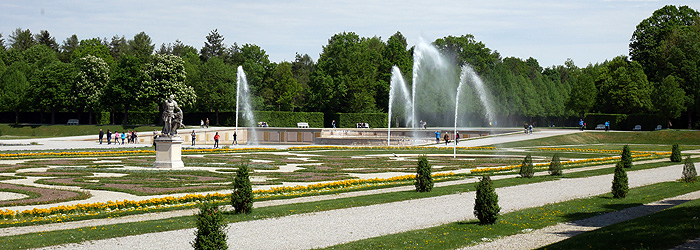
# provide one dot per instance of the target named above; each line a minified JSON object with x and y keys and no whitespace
{"x":243,"y":96}
{"x":397,"y":86}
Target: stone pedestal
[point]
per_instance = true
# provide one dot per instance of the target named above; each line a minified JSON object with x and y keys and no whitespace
{"x":169,"y":152}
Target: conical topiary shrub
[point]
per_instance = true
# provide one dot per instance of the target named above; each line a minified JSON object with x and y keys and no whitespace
{"x":211,"y":228}
{"x":424,"y":180}
{"x":527,"y":170}
{"x":620,"y":184}
{"x":676,"y":153}
{"x":242,"y":196}
{"x":626,"y":157}
{"x":486,"y":207}
{"x":555,"y":165}
{"x":689,"y":172}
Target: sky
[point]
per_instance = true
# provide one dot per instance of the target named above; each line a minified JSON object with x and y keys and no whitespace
{"x":587,"y":31}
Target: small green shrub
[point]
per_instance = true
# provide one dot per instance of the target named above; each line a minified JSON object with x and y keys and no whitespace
{"x":242,"y":196}
{"x":676,"y":153}
{"x":626,"y":157}
{"x":620,"y":184}
{"x":486,"y":207}
{"x":424,"y":180}
{"x":527,"y":170}
{"x":689,"y":172}
{"x":555,"y":166}
{"x":211,"y":228}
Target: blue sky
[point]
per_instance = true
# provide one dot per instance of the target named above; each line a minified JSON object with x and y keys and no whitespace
{"x":588,"y":31}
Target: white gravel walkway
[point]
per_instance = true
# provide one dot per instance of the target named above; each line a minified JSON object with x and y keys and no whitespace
{"x":333,"y":227}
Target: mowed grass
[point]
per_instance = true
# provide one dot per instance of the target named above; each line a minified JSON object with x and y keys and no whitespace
{"x":110,"y":231}
{"x":464,"y":233}
{"x":662,"y":230}
{"x":11,"y":131}
{"x":664,"y":137}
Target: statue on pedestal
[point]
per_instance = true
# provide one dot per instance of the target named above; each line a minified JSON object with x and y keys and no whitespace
{"x":172,"y":117}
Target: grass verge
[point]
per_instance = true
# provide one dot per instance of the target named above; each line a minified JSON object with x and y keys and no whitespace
{"x":460,"y":234}
{"x":662,"y":230}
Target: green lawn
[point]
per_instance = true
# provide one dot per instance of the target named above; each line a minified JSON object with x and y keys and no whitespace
{"x":664,"y":137}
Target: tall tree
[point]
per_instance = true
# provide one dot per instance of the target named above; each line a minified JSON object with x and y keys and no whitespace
{"x":669,"y":98}
{"x":117,"y":47}
{"x":2,"y":43}
{"x":647,"y":38}
{"x":21,"y":39}
{"x":286,"y":89}
{"x":53,"y":86}
{"x":302,"y":67}
{"x":165,"y":75}
{"x":214,"y":46}
{"x":93,"y":47}
{"x":583,"y":94}
{"x":39,"y":56}
{"x":125,"y":85}
{"x":67,"y":48}
{"x":141,"y":46}
{"x":14,"y":89}
{"x":624,"y":87}
{"x":93,"y":77}
{"x":467,"y":50}
{"x":680,"y":57}
{"x":217,"y":86}
{"x":258,"y":69}
{"x":46,"y":39}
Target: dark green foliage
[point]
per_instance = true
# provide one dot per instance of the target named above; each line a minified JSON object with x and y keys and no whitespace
{"x":689,"y":172}
{"x":620,"y":184}
{"x":424,"y":180}
{"x":350,"y":120}
{"x":211,"y":228}
{"x":289,"y":119}
{"x":626,"y":159}
{"x":527,"y":170}
{"x":555,"y":165}
{"x":676,"y":153}
{"x":242,"y":196}
{"x":486,"y":207}
{"x":103,"y":118}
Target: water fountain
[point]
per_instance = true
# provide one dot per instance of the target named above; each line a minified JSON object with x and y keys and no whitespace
{"x":434,"y":88}
{"x":397,"y":86}
{"x":243,"y":96}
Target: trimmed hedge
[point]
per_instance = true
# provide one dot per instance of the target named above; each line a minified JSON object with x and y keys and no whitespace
{"x":350,"y":120}
{"x":273,"y":118}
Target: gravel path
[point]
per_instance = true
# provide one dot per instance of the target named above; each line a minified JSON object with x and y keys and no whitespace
{"x":333,"y":227}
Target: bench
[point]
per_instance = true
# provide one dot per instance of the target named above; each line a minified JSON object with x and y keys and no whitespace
{"x":658,"y":127}
{"x":362,"y":125}
{"x":72,"y":122}
{"x":637,"y":128}
{"x":302,"y":125}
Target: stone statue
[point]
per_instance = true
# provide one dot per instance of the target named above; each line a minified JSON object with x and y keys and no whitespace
{"x":172,"y":117}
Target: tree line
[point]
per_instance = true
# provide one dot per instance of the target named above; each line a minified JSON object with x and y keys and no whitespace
{"x":660,"y":76}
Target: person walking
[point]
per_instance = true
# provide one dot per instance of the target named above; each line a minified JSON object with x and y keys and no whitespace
{"x":333,"y":123}
{"x":437,"y":136}
{"x":580,"y":124}
{"x":102,"y":134}
{"x":447,"y":138}
{"x":201,"y":123}
{"x":456,"y":138}
{"x":207,"y":123}
{"x":116,"y":137}
{"x":607,"y":126}
{"x":216,"y":140}
{"x":194,"y":137}
{"x":155,"y":135}
{"x":235,"y":142}
{"x":123,"y":138}
{"x":109,"y":137}
{"x":529,"y":128}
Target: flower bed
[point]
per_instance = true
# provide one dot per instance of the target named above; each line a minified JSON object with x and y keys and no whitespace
{"x":639,"y":155}
{"x":66,"y":212}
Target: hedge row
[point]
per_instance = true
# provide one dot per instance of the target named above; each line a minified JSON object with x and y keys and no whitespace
{"x":625,"y":122}
{"x":350,"y":120}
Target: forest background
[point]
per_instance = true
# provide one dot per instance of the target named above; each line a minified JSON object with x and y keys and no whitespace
{"x":130,"y":77}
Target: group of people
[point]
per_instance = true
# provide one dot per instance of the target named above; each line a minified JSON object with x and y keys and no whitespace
{"x":528,"y":128}
{"x":126,"y":137}
{"x":202,"y":123}
{"x":193,"y":135}
{"x":446,"y":137}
